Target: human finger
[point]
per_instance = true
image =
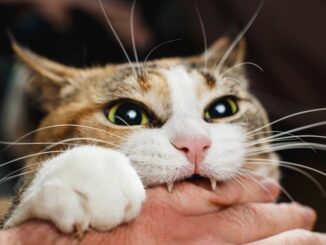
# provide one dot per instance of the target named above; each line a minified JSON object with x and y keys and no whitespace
{"x":251,"y":222}
{"x":293,"y":237}
{"x":246,"y":189}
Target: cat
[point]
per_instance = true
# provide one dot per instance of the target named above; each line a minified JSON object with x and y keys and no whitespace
{"x":110,"y":132}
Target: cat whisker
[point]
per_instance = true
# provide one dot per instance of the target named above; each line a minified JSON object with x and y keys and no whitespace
{"x":292,"y":138}
{"x":266,"y":141}
{"x":268,"y":137}
{"x":122,"y":120}
{"x":287,"y":163}
{"x":59,"y":126}
{"x":155,"y":48}
{"x":218,"y":66}
{"x":29,"y":156}
{"x":242,"y":64}
{"x":283,"y":140}
{"x":284,"y":118}
{"x":48,"y":152}
{"x":234,"y":79}
{"x":93,"y":140}
{"x":286,"y":193}
{"x":32,"y":143}
{"x":241,"y":182}
{"x":6,"y":177}
{"x":280,"y":146}
{"x":286,"y":146}
{"x":313,"y":125}
{"x":202,"y":27}
{"x":16,"y":176}
{"x":265,"y":132}
{"x":117,"y":37}
{"x":62,"y":142}
{"x":132,"y":34}
{"x":297,"y":169}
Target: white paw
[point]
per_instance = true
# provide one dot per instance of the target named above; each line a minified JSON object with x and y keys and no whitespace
{"x":87,"y":186}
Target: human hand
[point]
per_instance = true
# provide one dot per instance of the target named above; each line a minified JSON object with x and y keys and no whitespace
{"x":293,"y":237}
{"x":190,"y":215}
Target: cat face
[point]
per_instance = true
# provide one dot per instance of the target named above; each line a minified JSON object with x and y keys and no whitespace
{"x":173,"y":118}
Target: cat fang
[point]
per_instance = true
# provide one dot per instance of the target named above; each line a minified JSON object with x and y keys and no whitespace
{"x":213,"y":182}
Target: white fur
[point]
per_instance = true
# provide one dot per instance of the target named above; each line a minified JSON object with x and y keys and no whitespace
{"x":158,"y":161}
{"x":90,"y":186}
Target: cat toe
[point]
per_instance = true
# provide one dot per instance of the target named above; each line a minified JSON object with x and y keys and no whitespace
{"x":55,"y":202}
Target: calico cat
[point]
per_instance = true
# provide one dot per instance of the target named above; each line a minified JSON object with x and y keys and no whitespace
{"x":110,"y":132}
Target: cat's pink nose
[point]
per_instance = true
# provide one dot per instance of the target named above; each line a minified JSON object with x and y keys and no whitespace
{"x":193,"y":147}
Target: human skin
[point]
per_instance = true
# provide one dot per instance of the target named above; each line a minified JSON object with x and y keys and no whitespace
{"x":234,"y":214}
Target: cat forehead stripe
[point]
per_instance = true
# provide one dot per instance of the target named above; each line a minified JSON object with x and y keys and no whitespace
{"x":207,"y":74}
{"x":143,"y":75}
{"x":209,"y":79}
{"x":143,"y":82}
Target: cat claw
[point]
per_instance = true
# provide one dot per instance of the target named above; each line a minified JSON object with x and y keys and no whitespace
{"x":213,"y":184}
{"x":170,"y":186}
{"x":79,"y":233}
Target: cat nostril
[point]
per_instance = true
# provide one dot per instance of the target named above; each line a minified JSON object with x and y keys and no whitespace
{"x":184,"y":149}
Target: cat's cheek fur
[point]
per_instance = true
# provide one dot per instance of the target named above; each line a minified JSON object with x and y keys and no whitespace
{"x":87,"y":186}
{"x":227,"y":154}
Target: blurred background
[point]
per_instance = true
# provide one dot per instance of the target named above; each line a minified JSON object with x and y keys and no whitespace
{"x":288,"y":40}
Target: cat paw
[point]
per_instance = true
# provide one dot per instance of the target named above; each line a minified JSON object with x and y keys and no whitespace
{"x":85,"y":187}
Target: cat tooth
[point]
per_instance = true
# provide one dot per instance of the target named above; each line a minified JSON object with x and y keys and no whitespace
{"x":213,"y":184}
{"x":170,"y":186}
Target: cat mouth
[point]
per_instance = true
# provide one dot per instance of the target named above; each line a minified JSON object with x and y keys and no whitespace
{"x":203,"y":181}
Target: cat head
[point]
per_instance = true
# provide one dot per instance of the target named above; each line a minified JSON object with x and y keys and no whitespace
{"x":172,"y":117}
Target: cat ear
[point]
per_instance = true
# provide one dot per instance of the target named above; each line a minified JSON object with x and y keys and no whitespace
{"x":43,"y":67}
{"x":219,"y":51}
{"x":45,"y":79}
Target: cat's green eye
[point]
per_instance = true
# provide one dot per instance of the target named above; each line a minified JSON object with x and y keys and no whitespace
{"x":224,"y":107}
{"x":127,"y":114}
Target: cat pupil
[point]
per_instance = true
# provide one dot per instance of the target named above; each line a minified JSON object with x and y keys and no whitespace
{"x":128,"y":114}
{"x":222,"y":108}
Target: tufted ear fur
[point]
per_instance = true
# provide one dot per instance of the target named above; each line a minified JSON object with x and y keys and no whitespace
{"x":46,"y":79}
{"x":219,"y":54}
{"x":219,"y":49}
